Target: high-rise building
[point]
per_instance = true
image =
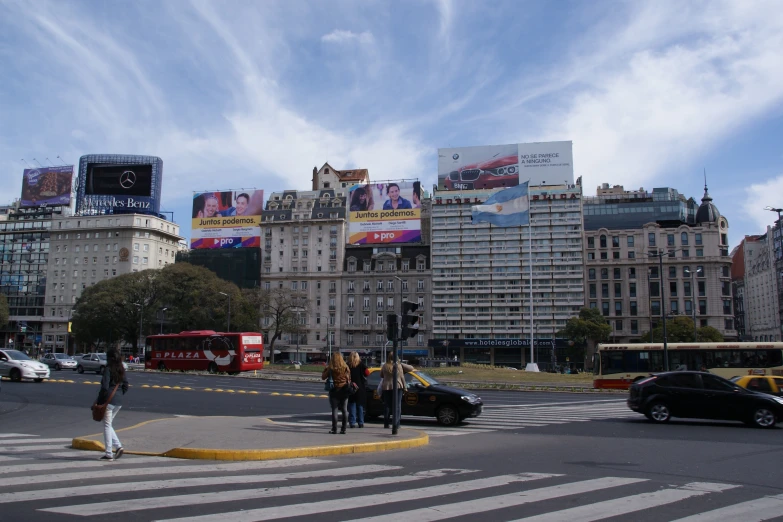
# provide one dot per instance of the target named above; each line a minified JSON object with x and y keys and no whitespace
{"x":626,"y":231}
{"x":481,"y":284}
{"x":86,"y":249}
{"x":757,"y":281}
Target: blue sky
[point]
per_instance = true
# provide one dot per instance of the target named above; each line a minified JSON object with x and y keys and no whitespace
{"x":255,"y":94}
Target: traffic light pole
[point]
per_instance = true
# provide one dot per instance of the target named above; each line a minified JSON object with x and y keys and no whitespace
{"x":395,"y":388}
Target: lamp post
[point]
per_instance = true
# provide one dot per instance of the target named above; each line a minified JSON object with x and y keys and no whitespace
{"x":162,"y":318}
{"x":141,"y":323}
{"x":692,"y":274}
{"x":228,"y":320}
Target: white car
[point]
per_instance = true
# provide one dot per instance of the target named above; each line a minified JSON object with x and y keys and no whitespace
{"x":17,"y":366}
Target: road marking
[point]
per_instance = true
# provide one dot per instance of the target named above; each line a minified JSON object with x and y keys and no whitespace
{"x":623,"y":506}
{"x":12,"y":435}
{"x":49,"y":466}
{"x":22,"y":449}
{"x":30,"y":441}
{"x":765,"y":508}
{"x":339,"y":505}
{"x":112,"y":472}
{"x":482,"y":505}
{"x":67,"y":492}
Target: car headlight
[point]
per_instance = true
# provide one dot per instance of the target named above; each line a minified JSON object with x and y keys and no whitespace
{"x":471,"y":399}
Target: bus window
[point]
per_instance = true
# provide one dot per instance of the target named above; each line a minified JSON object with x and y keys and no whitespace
{"x":773,"y":358}
{"x":612,"y":362}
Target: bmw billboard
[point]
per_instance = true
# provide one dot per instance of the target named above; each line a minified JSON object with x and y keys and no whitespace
{"x":119,"y":184}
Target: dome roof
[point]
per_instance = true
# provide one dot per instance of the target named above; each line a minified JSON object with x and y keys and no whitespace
{"x":708,"y":212}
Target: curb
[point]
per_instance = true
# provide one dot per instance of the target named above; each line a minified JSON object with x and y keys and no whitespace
{"x":422,"y":439}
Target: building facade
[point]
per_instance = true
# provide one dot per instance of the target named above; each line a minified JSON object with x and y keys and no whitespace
{"x":86,"y":249}
{"x":625,"y":233}
{"x":481,"y":276}
{"x":762,"y":318}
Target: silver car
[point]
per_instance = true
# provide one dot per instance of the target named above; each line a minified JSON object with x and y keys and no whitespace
{"x":91,"y":362}
{"x":17,"y":365}
{"x":59,"y":361}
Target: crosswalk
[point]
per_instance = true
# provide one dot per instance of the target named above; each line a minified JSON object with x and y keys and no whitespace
{"x":495,"y":418}
{"x":59,"y":484}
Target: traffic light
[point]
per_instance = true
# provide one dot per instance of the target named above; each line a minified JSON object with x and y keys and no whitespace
{"x":410,"y":321}
{"x":391,"y":327}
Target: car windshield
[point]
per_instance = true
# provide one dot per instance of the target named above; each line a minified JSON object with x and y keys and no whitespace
{"x":62,"y":356}
{"x":426,"y":378}
{"x":17,"y":355}
{"x":102,"y":356}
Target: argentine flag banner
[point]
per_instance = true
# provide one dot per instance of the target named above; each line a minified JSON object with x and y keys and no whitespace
{"x":507,"y":208}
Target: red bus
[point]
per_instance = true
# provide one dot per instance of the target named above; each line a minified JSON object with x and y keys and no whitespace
{"x":205,"y":350}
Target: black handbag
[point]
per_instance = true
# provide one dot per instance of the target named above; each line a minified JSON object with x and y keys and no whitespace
{"x":99,"y":410}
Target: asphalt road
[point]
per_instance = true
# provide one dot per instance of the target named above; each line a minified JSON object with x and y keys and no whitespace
{"x":596,"y":461}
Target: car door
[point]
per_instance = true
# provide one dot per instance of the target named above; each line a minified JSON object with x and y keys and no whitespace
{"x":777,"y":385}
{"x":4,"y":366}
{"x":415,"y":399}
{"x":724,"y":400}
{"x":374,"y":406}
{"x":685,"y":395}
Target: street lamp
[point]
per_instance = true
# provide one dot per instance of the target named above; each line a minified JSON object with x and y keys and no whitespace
{"x":162,"y":318}
{"x":141,"y":323}
{"x":228,"y":322}
{"x":692,"y":274}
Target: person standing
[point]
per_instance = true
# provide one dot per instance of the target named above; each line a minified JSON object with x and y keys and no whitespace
{"x":387,"y":386}
{"x":113,"y":375}
{"x":338,"y":395}
{"x":358,"y":400}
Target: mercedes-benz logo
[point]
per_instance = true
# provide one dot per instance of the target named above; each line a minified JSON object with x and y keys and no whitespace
{"x":127,"y":179}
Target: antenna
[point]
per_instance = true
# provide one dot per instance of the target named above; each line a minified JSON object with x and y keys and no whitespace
{"x":705,"y":179}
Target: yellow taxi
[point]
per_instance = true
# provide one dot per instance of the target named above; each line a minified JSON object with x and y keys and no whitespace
{"x":771,"y":384}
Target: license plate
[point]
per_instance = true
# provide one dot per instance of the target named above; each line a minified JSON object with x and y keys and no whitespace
{"x":463,"y":186}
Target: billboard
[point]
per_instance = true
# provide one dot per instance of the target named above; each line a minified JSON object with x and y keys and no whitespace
{"x":47,"y":186}
{"x":384,"y":213}
{"x":118,"y":184}
{"x":227,"y":219}
{"x":500,"y":166}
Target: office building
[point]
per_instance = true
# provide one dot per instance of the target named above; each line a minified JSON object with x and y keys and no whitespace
{"x":481,"y":281}
{"x":626,"y":230}
{"x":754,"y":277}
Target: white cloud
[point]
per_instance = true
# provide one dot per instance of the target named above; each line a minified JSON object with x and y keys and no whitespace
{"x":340,"y":36}
{"x":768,"y":193}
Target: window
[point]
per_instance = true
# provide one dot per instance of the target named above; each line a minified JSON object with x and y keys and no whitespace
{"x":590,"y":242}
{"x":379,"y":285}
{"x":702,"y":306}
{"x":729,"y":324}
{"x":605,"y":290}
{"x":632,"y":289}
{"x":686,"y":288}
{"x":634,"y":309}
{"x":618,"y":290}
{"x":616,"y":273}
{"x":631,"y":254}
{"x":727,"y":307}
{"x":673,"y":288}
{"x":654,"y":272}
{"x":632,"y":273}
{"x":673,"y":307}
{"x":699,"y":252}
{"x":592,"y":291}
{"x":615,"y":255}
{"x":604,"y":255}
{"x":656,"y":307}
{"x":618,"y":309}
{"x":686,"y":253}
{"x":590,"y":272}
{"x":684,"y":238}
{"x":420,"y":284}
{"x":630,"y":241}
{"x":603,"y":241}
{"x":702,"y":288}
{"x":700,"y":271}
{"x":135,"y":260}
{"x":670,"y":240}
{"x":604,"y":273}
{"x":672,"y":272}
{"x":651,"y":239}
{"x":591,"y":256}
{"x":688,"y":307}
{"x":697,"y":238}
{"x":379,"y":319}
{"x":725,"y":288}
{"x":634,"y":326}
{"x":405,"y":265}
{"x":615,"y":241}
{"x":605,"y":308}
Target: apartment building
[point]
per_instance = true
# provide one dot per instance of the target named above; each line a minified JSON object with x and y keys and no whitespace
{"x":481,"y":284}
{"x":626,"y":230}
{"x":303,"y":235}
{"x":760,"y":287}
{"x":86,"y":249}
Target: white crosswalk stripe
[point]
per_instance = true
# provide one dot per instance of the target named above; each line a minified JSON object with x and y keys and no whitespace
{"x":153,"y":488}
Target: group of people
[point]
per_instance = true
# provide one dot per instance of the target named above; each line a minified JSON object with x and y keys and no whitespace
{"x":208,"y":206}
{"x":348,"y":392}
{"x":362,"y":198}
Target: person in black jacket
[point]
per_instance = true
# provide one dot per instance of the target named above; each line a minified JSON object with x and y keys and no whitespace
{"x":113,"y":374}
{"x":357,"y":401}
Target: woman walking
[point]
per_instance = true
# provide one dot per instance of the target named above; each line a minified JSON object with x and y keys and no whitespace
{"x":357,"y":401}
{"x":387,"y":385}
{"x":338,"y":395}
{"x":113,"y":376}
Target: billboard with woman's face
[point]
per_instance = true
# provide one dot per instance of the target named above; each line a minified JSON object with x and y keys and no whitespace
{"x":387,"y":212}
{"x":227,"y":219}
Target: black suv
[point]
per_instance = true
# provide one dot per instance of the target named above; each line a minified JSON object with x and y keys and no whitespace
{"x":701,"y":395}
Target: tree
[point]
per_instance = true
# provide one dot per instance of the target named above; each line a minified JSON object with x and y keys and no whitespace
{"x":3,"y":311}
{"x":588,"y":328}
{"x":679,"y":329}
{"x":278,"y":307}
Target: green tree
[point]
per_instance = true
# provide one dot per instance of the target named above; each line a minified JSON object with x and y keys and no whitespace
{"x":585,"y":331}
{"x":679,"y":329}
{"x":3,"y":311}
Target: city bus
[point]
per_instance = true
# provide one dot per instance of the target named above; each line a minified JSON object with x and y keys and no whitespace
{"x":618,"y":365}
{"x":205,"y":350}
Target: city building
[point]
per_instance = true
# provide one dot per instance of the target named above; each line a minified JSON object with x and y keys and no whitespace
{"x":738,"y":288}
{"x":303,"y":235}
{"x":625,"y":231}
{"x":24,"y":254}
{"x":756,"y":280}
{"x":481,"y":284}
{"x":86,"y":249}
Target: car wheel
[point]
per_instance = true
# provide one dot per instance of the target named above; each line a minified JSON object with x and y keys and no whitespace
{"x":57,"y":367}
{"x":16,"y":375}
{"x":161,"y":366}
{"x":212,"y":368}
{"x":447,"y":415}
{"x":764,"y":418}
{"x":659,"y":412}
{"x":80,"y":369}
{"x":100,"y":370}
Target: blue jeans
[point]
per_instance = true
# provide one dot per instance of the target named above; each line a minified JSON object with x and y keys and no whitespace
{"x":387,"y":406}
{"x":353,"y":407}
{"x":110,"y":439}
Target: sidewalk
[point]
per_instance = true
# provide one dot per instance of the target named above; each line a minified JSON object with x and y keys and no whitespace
{"x":248,"y":438}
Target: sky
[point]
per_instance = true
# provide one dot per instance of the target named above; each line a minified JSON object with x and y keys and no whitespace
{"x":254,"y":94}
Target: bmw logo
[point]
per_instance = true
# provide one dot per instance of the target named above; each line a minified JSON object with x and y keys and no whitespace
{"x":455,"y":156}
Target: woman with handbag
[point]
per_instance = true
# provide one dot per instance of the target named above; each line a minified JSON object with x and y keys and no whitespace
{"x":108,"y":397}
{"x":340,"y":376}
{"x":387,"y":386}
{"x":357,"y":399}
